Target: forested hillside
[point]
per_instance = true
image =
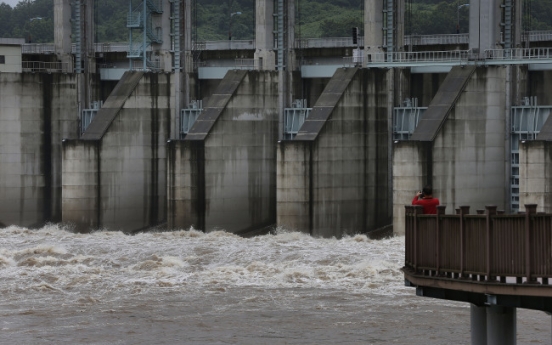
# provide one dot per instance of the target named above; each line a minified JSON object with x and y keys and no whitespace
{"x":33,"y":19}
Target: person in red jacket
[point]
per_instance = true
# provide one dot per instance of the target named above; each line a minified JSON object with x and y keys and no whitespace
{"x":427,"y":200}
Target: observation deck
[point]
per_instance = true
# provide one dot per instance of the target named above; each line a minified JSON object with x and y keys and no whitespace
{"x":489,"y":259}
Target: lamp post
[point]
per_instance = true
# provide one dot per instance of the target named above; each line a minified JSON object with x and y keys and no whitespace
{"x":458,"y":17}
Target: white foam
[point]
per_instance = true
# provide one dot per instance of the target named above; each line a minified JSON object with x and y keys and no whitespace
{"x":110,"y":260}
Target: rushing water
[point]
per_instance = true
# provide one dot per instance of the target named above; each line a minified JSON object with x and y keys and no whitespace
{"x":187,"y":287}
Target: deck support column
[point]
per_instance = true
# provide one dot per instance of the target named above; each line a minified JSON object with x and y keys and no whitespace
{"x":478,"y":321}
{"x":501,"y":325}
{"x":493,"y":325}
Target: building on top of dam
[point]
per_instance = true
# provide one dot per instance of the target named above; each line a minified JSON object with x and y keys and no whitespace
{"x":329,"y":136}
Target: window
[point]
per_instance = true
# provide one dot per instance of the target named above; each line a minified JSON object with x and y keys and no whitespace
{"x":2,"y":59}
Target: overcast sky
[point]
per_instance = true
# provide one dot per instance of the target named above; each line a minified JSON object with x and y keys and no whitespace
{"x":12,"y":3}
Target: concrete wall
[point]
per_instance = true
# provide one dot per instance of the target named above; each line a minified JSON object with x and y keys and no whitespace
{"x":185,"y":184}
{"x":467,"y":163}
{"x":410,"y":162}
{"x":264,"y":37}
{"x":131,"y":163}
{"x":233,"y":163}
{"x":62,"y":36}
{"x":535,"y":174}
{"x":485,"y":28}
{"x":424,"y":86}
{"x":81,"y":183}
{"x":335,"y":182}
{"x":38,"y":110}
{"x":540,"y":84}
{"x":294,"y":185}
{"x":373,"y":27}
{"x":470,"y":156}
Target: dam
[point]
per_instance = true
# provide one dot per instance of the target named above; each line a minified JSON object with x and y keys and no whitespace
{"x":327,"y":136}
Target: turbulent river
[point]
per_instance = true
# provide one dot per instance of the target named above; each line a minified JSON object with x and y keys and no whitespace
{"x":187,"y":287}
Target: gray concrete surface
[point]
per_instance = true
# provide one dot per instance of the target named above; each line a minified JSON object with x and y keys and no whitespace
{"x":467,"y":162}
{"x":38,"y":110}
{"x":535,"y":174}
{"x":224,"y":171}
{"x":128,"y":141}
{"x":332,"y":177}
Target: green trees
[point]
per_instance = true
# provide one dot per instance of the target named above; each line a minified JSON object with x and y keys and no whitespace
{"x":216,"y":22}
{"x":34,"y":19}
{"x":326,"y":18}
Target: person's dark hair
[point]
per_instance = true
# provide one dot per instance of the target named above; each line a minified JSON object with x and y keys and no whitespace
{"x":427,"y":190}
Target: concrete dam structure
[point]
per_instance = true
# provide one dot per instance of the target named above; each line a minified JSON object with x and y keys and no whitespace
{"x":112,"y":175}
{"x":323,"y":136}
{"x":222,"y":174}
{"x":333,"y":174}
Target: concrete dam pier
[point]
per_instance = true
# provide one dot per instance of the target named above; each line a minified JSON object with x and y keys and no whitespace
{"x":222,"y":175}
{"x":324,"y":136}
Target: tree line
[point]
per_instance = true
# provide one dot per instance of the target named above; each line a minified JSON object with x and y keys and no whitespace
{"x":33,"y":20}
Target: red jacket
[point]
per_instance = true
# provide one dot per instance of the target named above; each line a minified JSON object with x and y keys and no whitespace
{"x":429,"y":204}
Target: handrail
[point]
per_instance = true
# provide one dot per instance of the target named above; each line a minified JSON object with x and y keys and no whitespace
{"x":420,"y":40}
{"x":488,"y":246}
{"x":519,"y":54}
{"x":423,"y":56}
{"x":45,"y":67}
{"x":134,"y":19}
{"x":303,"y":43}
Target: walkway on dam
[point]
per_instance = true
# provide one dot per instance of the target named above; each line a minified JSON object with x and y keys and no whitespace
{"x":494,"y":261}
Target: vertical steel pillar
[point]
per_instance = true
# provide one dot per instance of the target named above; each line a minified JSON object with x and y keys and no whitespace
{"x":478,"y":322}
{"x":501,"y":325}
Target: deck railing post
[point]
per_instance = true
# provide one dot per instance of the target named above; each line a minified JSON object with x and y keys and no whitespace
{"x":530,"y":210}
{"x":408,"y":235}
{"x":463,"y":211}
{"x":491,"y":211}
{"x":440,"y":212}
{"x":417,"y":211}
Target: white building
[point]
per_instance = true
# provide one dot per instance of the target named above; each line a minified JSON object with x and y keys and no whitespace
{"x":10,"y":55}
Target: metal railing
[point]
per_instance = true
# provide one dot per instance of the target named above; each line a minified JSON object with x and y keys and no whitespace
{"x":420,"y":40}
{"x":87,"y":115}
{"x":353,"y":61}
{"x":488,"y":246}
{"x":519,"y":54}
{"x":134,"y":19}
{"x":189,"y":116}
{"x":249,"y":64}
{"x":327,"y":42}
{"x":40,"y":48}
{"x":45,"y":67}
{"x":294,"y":118}
{"x":246,"y":64}
{"x":37,"y":48}
{"x":537,"y":36}
{"x":155,"y":6}
{"x":406,"y":118}
{"x":229,"y":45}
{"x":300,"y":43}
{"x":450,"y":56}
